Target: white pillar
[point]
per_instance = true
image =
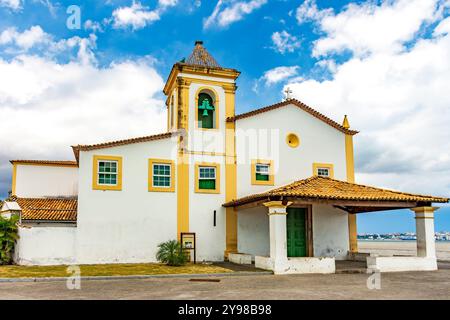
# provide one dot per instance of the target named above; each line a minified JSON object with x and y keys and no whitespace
{"x":277,"y":229}
{"x":425,"y":231}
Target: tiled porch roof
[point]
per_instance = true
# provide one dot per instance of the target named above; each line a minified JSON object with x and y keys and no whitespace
{"x":48,"y":209}
{"x":322,"y":188}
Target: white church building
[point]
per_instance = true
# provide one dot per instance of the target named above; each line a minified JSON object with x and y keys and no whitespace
{"x":274,"y":185}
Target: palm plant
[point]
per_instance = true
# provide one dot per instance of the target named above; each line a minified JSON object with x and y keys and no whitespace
{"x":8,"y":237}
{"x":171,"y":253}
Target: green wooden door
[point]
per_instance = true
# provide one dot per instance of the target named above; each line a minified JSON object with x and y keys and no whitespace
{"x":296,"y":232}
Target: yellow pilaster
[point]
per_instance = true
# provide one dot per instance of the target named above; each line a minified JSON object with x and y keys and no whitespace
{"x":230,"y":171}
{"x":14,"y":179}
{"x":183,"y":159}
{"x":352,"y":227}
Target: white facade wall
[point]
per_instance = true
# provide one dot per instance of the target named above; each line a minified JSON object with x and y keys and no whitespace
{"x":330,"y":232}
{"x":210,"y":239}
{"x":35,"y":181}
{"x":46,"y":244}
{"x":319,"y":142}
{"x":127,"y":225}
{"x":253,"y":231}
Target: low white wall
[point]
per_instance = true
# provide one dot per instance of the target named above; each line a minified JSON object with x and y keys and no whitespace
{"x":396,"y":264}
{"x":298,"y":265}
{"x":330,"y":232}
{"x":240,"y":258}
{"x":46,"y":245}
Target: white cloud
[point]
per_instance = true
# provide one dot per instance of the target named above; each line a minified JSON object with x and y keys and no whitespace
{"x":136,"y":16}
{"x":400,"y":102}
{"x":48,"y":105}
{"x":37,"y":41}
{"x":443,"y":27}
{"x":308,"y":11}
{"x":94,"y":26}
{"x":168,"y":3}
{"x":228,"y":12}
{"x":25,"y":40}
{"x":12,"y":4}
{"x":285,"y":42}
{"x":279,"y":74}
{"x":369,"y":27}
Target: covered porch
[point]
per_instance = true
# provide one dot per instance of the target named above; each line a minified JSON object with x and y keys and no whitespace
{"x":304,"y":227}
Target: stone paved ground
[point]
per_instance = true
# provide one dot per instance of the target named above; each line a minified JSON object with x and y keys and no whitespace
{"x":405,"y":285}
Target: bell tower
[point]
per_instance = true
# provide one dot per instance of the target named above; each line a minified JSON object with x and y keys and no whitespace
{"x":200,"y":98}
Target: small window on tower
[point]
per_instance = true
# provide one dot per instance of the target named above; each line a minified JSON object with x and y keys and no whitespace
{"x":206,"y":111}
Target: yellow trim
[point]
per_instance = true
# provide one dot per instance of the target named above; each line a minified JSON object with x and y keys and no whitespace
{"x":271,"y":180}
{"x":328,"y":166}
{"x":183,"y":194}
{"x":182,"y":157}
{"x":14,"y":180}
{"x":95,"y":185}
{"x":151,"y":188}
{"x":292,"y":140}
{"x":207,"y":164}
{"x":216,"y":106}
{"x":173,"y":76}
{"x":231,"y":236}
{"x":350,"y":166}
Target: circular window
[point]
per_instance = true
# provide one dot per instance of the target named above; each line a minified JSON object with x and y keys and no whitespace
{"x":293,"y":140}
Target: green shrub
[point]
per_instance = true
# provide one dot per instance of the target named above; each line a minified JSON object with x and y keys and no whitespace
{"x":8,"y":237}
{"x":171,"y":253}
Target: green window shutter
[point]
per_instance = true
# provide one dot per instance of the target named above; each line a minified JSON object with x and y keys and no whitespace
{"x":208,"y":184}
{"x":262,"y":177}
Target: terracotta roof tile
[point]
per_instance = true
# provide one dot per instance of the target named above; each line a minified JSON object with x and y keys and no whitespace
{"x":48,"y":209}
{"x":46,"y":162}
{"x":302,"y":106}
{"x":78,"y":148}
{"x":201,"y":57}
{"x":331,"y":189}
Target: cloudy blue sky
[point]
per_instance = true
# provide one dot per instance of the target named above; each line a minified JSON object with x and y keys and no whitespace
{"x":384,"y":63}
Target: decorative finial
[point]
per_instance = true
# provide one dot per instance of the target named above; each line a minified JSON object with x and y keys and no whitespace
{"x":288,"y":93}
{"x":199,"y":42}
{"x":346,"y":124}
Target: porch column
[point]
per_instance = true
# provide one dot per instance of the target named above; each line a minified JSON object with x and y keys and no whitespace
{"x":277,"y":229}
{"x":425,"y":231}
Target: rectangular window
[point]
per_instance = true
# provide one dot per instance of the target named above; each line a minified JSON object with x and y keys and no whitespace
{"x":262,"y":172}
{"x":161,"y":175}
{"x":207,"y":178}
{"x":107,"y":173}
{"x":323,"y":172}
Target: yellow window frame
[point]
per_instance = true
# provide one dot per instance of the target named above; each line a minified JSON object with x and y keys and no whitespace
{"x":95,"y":184}
{"x":197,"y":169}
{"x":152,"y":188}
{"x":271,"y":180}
{"x":329,"y":166}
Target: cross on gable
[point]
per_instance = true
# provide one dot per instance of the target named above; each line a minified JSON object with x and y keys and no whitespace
{"x":288,"y":93}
